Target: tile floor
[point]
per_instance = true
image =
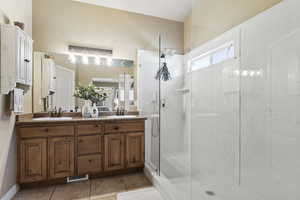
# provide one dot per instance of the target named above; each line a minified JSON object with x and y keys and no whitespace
{"x":94,"y":189}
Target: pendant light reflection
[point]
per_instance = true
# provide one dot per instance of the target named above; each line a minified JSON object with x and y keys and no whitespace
{"x":109,"y":61}
{"x":72,"y":58}
{"x":97,"y":60}
{"x":85,"y":60}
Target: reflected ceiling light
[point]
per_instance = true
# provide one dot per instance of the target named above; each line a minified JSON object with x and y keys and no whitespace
{"x":109,"y":61}
{"x":97,"y":60}
{"x":258,"y":73}
{"x":85,"y":60}
{"x":72,"y":58}
{"x":237,"y":72}
{"x":245,"y":73}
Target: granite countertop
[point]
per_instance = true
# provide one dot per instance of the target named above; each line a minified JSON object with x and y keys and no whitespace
{"x":64,"y":120}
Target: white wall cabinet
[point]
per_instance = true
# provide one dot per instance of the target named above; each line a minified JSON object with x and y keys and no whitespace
{"x":16,"y":58}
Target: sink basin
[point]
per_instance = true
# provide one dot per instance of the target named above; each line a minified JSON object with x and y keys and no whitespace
{"x":52,"y":118}
{"x":121,"y":116}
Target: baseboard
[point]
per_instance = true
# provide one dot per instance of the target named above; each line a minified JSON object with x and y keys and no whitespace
{"x":148,"y":173}
{"x":11,"y":193}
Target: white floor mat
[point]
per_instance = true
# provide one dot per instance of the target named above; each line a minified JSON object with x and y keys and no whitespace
{"x":142,"y":194}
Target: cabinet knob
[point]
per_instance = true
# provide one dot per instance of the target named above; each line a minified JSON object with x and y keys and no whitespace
{"x":80,"y":141}
{"x":90,"y":161}
{"x":46,"y":130}
{"x":116,"y":128}
{"x":96,"y":126}
{"x":26,"y":60}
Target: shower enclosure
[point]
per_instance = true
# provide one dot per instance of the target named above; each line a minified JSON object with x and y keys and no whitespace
{"x":165,"y":103}
{"x":226,"y":126}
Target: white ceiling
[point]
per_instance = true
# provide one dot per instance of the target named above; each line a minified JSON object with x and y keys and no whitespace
{"x":168,"y":9}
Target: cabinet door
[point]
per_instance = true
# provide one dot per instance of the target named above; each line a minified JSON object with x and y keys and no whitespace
{"x":33,"y":160}
{"x":61,"y":157}
{"x":52,"y":84}
{"x":135,"y":150}
{"x":114,"y":152}
{"x":45,"y":77}
{"x":28,"y":61}
{"x":21,"y":57}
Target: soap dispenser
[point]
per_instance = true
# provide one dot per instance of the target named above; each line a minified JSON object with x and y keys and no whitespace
{"x":95,"y":112}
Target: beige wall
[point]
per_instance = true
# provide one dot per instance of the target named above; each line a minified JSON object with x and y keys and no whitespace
{"x":15,"y":10}
{"x":211,"y":18}
{"x":57,"y":23}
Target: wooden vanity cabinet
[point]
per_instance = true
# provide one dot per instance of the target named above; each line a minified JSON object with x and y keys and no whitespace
{"x":114,"y":152}
{"x":135,"y":150}
{"x":45,"y":152}
{"x":33,"y":164}
{"x":61,"y":157}
{"x":89,"y":148}
{"x":57,"y":151}
{"x":124,"y":146}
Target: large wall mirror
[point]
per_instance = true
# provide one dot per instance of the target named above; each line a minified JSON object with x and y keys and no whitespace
{"x":57,"y":76}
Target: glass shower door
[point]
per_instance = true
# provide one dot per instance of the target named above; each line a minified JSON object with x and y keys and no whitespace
{"x":174,"y":140}
{"x":149,"y":105}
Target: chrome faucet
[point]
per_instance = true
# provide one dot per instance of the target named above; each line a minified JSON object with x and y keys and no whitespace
{"x":55,"y":112}
{"x":121,"y":111}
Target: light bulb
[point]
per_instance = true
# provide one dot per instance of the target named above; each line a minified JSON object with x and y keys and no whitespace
{"x":85,"y":60}
{"x":109,"y":61}
{"x":97,"y":60}
{"x":72,"y":58}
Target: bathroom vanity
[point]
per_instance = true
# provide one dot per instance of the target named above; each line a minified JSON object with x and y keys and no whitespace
{"x":54,"y":150}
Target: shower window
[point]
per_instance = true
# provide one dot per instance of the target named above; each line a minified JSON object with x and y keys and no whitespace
{"x":218,"y":55}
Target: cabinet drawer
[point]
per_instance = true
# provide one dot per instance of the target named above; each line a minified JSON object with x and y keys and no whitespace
{"x":30,"y":132}
{"x":89,"y":129}
{"x":124,"y":127}
{"x":89,"y":144}
{"x":89,"y":164}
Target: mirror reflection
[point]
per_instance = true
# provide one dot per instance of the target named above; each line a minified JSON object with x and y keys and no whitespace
{"x":91,"y":78}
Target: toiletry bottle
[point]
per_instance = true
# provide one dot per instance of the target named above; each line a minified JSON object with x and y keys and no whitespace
{"x":95,"y":112}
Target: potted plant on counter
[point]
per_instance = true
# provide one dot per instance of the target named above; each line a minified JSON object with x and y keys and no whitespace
{"x":90,"y":94}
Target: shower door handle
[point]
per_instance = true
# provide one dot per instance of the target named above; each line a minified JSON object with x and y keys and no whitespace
{"x":163,"y":103}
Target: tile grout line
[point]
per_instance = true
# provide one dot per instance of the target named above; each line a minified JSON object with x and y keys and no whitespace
{"x":52,"y":192}
{"x":124,"y":182}
{"x":90,"y":193}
